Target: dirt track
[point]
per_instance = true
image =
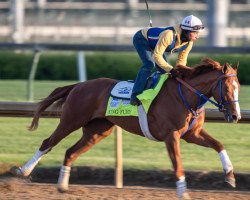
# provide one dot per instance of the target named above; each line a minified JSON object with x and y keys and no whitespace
{"x":146,"y":185}
{"x":12,"y":188}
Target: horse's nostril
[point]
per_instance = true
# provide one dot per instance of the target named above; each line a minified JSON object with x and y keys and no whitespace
{"x":234,"y":117}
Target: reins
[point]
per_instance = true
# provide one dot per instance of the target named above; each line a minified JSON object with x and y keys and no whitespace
{"x":204,"y":98}
{"x":194,"y":112}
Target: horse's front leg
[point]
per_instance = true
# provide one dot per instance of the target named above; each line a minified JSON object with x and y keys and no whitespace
{"x":202,"y":138}
{"x":173,"y":146}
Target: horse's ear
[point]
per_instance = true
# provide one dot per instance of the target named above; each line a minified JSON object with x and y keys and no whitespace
{"x":225,"y":68}
{"x":236,"y":66}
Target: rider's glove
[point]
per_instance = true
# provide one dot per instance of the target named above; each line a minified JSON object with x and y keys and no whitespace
{"x":174,"y":73}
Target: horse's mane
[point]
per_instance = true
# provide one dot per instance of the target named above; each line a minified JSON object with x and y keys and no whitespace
{"x":205,"y":66}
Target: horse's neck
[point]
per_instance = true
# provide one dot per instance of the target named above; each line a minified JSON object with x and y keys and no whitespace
{"x":203,"y":83}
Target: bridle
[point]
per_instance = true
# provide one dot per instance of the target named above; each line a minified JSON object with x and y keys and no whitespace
{"x":222,"y":102}
{"x":203,"y":98}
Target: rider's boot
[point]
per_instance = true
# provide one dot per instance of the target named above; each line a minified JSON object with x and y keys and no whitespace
{"x":139,"y":86}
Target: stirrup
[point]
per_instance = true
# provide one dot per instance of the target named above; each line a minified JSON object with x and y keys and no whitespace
{"x":135,"y":101}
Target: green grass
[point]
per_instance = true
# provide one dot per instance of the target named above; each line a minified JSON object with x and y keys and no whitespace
{"x":17,"y":90}
{"x":17,"y":145}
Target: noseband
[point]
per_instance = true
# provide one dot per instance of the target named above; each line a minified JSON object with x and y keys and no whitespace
{"x":222,"y":103}
{"x":204,"y":98}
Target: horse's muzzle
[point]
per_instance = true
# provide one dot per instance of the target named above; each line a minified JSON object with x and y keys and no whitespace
{"x":231,"y":118}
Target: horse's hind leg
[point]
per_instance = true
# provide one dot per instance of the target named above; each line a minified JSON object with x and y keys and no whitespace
{"x":93,"y":132}
{"x":65,"y":127}
{"x":202,"y":138}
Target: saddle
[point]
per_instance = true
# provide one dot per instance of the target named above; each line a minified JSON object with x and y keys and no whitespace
{"x":123,"y":89}
{"x":118,"y":103}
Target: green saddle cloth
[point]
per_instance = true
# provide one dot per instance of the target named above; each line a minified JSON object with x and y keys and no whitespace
{"x":122,"y":107}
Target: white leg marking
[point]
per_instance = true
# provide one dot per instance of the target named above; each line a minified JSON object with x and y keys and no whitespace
{"x":236,"y":94}
{"x":63,"y":180}
{"x":30,"y":165}
{"x":181,"y":186}
{"x":226,"y":163}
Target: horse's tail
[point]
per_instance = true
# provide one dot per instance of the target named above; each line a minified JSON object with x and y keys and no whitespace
{"x":59,"y":96}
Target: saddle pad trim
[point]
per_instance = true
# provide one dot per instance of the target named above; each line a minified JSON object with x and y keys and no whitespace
{"x":125,"y":98}
{"x":151,"y":93}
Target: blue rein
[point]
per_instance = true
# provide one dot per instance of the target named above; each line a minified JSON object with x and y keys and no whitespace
{"x":203,"y":100}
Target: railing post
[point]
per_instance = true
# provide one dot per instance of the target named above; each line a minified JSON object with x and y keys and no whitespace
{"x":32,"y":75}
{"x":18,"y":12}
{"x":218,"y":22}
{"x":41,"y":3}
{"x":81,"y":64}
{"x":119,"y":162}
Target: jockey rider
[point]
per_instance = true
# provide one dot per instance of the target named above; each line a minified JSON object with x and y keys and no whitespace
{"x":152,"y":43}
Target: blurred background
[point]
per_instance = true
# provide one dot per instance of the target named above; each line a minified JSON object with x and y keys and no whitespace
{"x":62,"y":29}
{"x":77,"y":40}
{"x":114,"y":22}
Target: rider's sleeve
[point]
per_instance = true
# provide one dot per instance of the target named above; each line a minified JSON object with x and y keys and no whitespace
{"x":182,"y":57}
{"x":165,"y":39}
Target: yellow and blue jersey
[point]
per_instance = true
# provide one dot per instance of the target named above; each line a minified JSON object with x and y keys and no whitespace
{"x":167,"y":39}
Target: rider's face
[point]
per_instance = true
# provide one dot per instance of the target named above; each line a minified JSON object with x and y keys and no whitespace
{"x":193,"y":35}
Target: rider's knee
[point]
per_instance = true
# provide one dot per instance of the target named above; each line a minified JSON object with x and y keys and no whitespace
{"x":148,"y":66}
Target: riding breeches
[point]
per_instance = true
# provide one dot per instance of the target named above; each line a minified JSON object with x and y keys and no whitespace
{"x":142,"y":46}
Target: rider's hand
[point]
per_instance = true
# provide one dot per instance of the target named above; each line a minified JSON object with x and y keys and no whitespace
{"x":174,"y":73}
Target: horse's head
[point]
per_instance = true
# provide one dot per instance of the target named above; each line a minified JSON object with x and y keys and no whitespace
{"x":226,"y":91}
{"x":221,"y":81}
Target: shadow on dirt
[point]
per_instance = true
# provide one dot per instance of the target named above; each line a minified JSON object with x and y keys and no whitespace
{"x":132,"y":177}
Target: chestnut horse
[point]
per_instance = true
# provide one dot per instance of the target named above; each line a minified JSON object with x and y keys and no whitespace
{"x":176,"y":113}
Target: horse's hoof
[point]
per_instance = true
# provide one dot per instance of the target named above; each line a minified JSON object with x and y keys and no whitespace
{"x":16,"y":171}
{"x":230,"y":181}
{"x":62,"y":188}
{"x":186,"y":196}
